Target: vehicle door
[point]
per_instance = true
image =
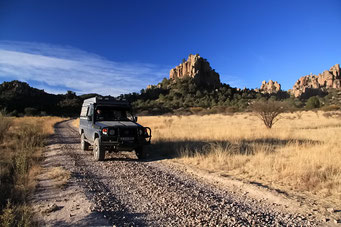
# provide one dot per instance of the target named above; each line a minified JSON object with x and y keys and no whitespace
{"x":83,"y":122}
{"x":89,"y":124}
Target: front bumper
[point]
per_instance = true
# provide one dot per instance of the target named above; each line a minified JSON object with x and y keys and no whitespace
{"x":126,"y":143}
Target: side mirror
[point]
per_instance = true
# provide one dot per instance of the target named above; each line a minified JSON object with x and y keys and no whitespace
{"x":135,"y":119}
{"x":89,"y":118}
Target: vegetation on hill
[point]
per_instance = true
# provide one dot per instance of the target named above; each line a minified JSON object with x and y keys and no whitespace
{"x":179,"y":96}
{"x":185,"y":96}
{"x":19,"y":99}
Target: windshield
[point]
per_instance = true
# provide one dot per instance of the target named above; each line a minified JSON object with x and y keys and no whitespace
{"x":109,"y":113}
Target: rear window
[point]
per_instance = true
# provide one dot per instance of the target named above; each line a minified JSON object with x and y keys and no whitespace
{"x":84,"y":111}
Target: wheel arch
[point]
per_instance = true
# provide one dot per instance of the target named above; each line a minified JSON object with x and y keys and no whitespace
{"x":96,"y":135}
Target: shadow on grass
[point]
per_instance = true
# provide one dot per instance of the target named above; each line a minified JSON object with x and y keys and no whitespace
{"x":174,"y":149}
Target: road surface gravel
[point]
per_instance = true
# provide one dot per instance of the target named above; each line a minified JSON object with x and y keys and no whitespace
{"x":124,"y":191}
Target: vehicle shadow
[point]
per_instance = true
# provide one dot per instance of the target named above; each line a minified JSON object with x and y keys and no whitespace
{"x":173,"y":149}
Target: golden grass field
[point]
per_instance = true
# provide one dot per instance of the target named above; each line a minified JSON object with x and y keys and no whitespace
{"x":301,"y":153}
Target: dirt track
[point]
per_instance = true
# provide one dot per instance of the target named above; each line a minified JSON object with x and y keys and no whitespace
{"x":123,"y":191}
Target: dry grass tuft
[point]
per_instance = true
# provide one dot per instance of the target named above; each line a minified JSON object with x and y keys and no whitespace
{"x":300,"y":153}
{"x":59,"y":175}
{"x":5,"y":124}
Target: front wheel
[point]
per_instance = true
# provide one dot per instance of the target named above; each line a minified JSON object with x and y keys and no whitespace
{"x":140,"y":153}
{"x":99,"y":153}
{"x":84,"y":145}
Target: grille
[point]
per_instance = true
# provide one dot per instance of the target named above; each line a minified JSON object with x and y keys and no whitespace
{"x":128,"y":132}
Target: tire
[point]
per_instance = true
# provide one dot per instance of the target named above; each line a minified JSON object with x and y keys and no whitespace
{"x":99,"y":153}
{"x":140,"y":153}
{"x":84,"y":145}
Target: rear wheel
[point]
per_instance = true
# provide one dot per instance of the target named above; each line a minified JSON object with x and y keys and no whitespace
{"x":99,"y":153}
{"x":140,"y":153}
{"x":84,"y":145}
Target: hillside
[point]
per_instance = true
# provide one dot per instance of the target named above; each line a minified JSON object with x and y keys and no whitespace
{"x":193,"y":87}
{"x":18,"y":98}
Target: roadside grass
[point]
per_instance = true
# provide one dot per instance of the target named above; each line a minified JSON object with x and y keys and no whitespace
{"x":75,"y":123}
{"x":59,"y":175}
{"x":21,"y":148}
{"x":301,"y":153}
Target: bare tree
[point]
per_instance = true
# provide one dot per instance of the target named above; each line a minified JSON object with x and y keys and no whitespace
{"x":268,"y":111}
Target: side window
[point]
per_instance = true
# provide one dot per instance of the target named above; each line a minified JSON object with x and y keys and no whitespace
{"x":84,"y":111}
{"x":90,"y":110}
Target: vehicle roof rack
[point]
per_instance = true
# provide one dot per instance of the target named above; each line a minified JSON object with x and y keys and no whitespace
{"x":107,"y":101}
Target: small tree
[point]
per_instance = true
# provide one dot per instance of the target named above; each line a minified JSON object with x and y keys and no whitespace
{"x":268,"y":111}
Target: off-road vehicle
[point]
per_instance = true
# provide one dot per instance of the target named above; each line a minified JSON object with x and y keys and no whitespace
{"x":107,"y":124}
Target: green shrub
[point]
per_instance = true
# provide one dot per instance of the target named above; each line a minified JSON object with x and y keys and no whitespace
{"x":312,"y":103}
{"x":8,"y":216}
{"x":16,"y":216}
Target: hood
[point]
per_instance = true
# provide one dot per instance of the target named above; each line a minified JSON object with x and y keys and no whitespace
{"x":103,"y":124}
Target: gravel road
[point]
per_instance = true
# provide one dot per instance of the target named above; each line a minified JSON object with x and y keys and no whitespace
{"x":127,"y":192}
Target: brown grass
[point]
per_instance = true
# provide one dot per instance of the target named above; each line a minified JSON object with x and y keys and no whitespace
{"x":75,"y":123}
{"x":21,"y":149}
{"x":301,"y":153}
{"x":59,"y":175}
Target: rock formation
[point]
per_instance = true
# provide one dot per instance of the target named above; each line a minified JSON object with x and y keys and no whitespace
{"x":312,"y":84}
{"x":270,"y":87}
{"x":153,"y":86}
{"x":197,"y":68}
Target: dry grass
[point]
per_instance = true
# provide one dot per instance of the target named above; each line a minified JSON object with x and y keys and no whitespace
{"x":59,"y":175}
{"x":300,"y":153}
{"x":75,"y":123}
{"x":45,"y":123}
{"x":21,"y":149}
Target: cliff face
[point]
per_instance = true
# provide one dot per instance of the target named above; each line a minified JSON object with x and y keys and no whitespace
{"x":312,"y":84}
{"x":270,"y":87}
{"x":197,"y":68}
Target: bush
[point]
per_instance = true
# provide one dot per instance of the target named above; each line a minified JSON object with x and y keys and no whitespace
{"x":268,"y":111}
{"x":29,"y":111}
{"x":312,"y":103}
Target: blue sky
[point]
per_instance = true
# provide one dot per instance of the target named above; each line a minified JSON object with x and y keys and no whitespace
{"x":114,"y":47}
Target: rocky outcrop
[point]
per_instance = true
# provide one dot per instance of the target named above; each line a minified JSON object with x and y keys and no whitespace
{"x":270,"y":87}
{"x":153,"y":86}
{"x":197,"y":68}
{"x":312,"y":84}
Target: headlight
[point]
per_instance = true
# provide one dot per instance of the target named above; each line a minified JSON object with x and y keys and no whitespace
{"x":105,"y":131}
{"x":112,"y":132}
